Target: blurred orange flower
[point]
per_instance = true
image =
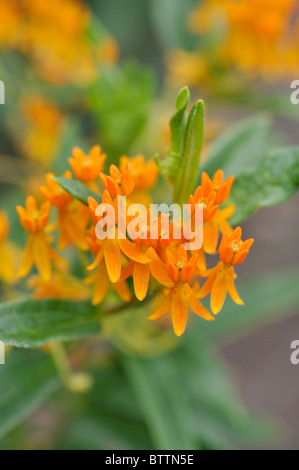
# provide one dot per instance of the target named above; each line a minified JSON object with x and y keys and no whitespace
{"x":38,"y":250}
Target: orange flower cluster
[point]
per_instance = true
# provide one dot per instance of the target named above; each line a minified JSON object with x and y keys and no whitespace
{"x":259,"y":37}
{"x":158,"y":264}
{"x":56,"y":37}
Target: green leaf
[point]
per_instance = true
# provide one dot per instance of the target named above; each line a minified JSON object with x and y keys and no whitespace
{"x":109,"y":417}
{"x":219,"y":418}
{"x":192,"y":147}
{"x":170,"y":165}
{"x":189,"y":399}
{"x":274,"y":180}
{"x":239,"y":147}
{"x":76,"y":189}
{"x":178,"y":120}
{"x":32,"y":323}
{"x":161,"y":396}
{"x":120,"y":102}
{"x":27,"y":380}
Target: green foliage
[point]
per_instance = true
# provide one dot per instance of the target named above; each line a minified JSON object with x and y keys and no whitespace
{"x":178,"y":120}
{"x":120,"y":103}
{"x":163,"y":400}
{"x":272,"y":181}
{"x":76,"y":189}
{"x":189,"y":401}
{"x":240,"y":146}
{"x":108,"y":417}
{"x":27,"y":380}
{"x":192,"y":147}
{"x":33,"y":323}
{"x":263,"y":177}
{"x":180,"y":166}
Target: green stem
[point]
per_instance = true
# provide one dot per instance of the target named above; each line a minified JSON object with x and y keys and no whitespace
{"x":75,"y":382}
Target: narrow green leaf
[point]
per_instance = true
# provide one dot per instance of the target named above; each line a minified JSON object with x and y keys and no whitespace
{"x":27,"y":380}
{"x":192,"y":147}
{"x":240,"y":146}
{"x":178,"y":120}
{"x":164,"y":402}
{"x":109,"y":417}
{"x":274,"y":180}
{"x":32,"y":323}
{"x":77,"y":189}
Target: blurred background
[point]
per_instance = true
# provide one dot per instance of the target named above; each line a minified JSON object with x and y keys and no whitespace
{"x":117,"y":87}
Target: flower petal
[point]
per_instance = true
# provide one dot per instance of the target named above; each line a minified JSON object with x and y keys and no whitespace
{"x":210,"y":236}
{"x":132,"y":251}
{"x":97,"y":261}
{"x":123,"y":290}
{"x":158,"y":269}
{"x":179,"y":310}
{"x":27,"y":260}
{"x":234,"y":293}
{"x":197,"y":306}
{"x":41,"y":256}
{"x":219,"y":290}
{"x":207,"y":287}
{"x":141,"y":276}
{"x":163,"y":308}
{"x":112,"y":257}
{"x":100,"y":289}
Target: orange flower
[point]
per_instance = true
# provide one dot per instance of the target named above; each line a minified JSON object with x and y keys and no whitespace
{"x":232,"y":250}
{"x":8,"y":252}
{"x":222,"y":188}
{"x":181,"y":269}
{"x":211,"y":228}
{"x":140,"y":271}
{"x":208,"y":201}
{"x":72,"y":220}
{"x":86,"y":168}
{"x":257,"y":35}
{"x":113,"y":247}
{"x":38,"y":250}
{"x":61,"y":286}
{"x":220,"y":280}
{"x":119,"y":183}
{"x":212,"y":193}
{"x":10,"y":23}
{"x":100,"y":279}
{"x":145,"y":175}
{"x":32,"y":219}
{"x":57,"y":196}
{"x":55,"y":35}
{"x":44,"y":123}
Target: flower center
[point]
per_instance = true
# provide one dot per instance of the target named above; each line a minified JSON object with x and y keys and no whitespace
{"x":235,"y":247}
{"x":181,"y":263}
